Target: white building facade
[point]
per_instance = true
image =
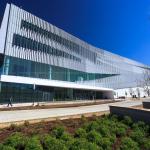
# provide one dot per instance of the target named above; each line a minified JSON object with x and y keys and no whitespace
{"x":40,"y":62}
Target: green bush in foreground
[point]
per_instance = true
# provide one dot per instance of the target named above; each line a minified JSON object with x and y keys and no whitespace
{"x":16,"y":140}
{"x":5,"y":147}
{"x":58,"y":131}
{"x":127,"y":120}
{"x":120,"y":131}
{"x":146,"y":144}
{"x":137,"y":136}
{"x":112,"y":138}
{"x":140,"y":125}
{"x":101,"y":134}
{"x":82,"y":144}
{"x":93,"y":137}
{"x":66,"y":137}
{"x":80,"y":133}
{"x":104,"y":130}
{"x":105,"y":143}
{"x":33,"y":144}
{"x":51,"y":143}
{"x":92,"y":126}
{"x":128,"y":144}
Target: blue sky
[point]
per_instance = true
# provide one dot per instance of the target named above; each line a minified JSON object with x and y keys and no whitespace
{"x":119,"y":26}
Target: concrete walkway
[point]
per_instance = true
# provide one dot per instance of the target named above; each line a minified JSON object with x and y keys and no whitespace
{"x":21,"y":115}
{"x":52,"y":103}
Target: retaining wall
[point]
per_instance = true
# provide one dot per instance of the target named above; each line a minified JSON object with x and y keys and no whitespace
{"x":146,"y":104}
{"x":135,"y":114}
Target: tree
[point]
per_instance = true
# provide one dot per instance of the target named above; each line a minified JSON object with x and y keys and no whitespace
{"x":126,"y":93}
{"x":131,"y":92}
{"x":145,"y":82}
{"x":138,"y":92}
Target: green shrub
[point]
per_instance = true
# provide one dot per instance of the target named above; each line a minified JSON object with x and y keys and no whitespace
{"x":92,"y":126}
{"x":118,"y":128}
{"x":58,"y":131}
{"x":128,"y":144}
{"x":105,"y":143}
{"x":33,"y":144}
{"x":67,"y":139}
{"x":146,"y":144}
{"x":127,"y":120}
{"x":119,"y":124}
{"x":5,"y":147}
{"x":112,"y":138}
{"x":16,"y":140}
{"x":120,"y":131}
{"x":137,"y":136}
{"x":104,"y":130}
{"x":93,"y":146}
{"x":80,"y":133}
{"x":93,"y":136}
{"x":140,"y":125}
{"x":51,"y":143}
{"x":82,"y":144}
{"x":113,"y":118}
{"x":113,"y":127}
{"x":1,"y":146}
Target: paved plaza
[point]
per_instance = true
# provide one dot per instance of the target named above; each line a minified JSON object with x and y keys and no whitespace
{"x":21,"y":115}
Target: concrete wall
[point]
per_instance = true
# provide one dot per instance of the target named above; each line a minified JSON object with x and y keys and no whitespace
{"x":135,"y":114}
{"x":146,"y":104}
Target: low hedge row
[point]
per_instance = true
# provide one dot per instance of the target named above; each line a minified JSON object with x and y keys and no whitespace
{"x":104,"y":133}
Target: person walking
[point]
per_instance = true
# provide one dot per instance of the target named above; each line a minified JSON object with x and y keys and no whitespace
{"x":10,"y":102}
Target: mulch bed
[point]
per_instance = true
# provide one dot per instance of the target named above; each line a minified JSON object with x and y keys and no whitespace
{"x":43,"y":127}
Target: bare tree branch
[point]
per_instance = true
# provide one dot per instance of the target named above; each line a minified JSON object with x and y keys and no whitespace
{"x":145,"y":82}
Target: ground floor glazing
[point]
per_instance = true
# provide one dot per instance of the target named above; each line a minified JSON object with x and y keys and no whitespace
{"x":30,"y":93}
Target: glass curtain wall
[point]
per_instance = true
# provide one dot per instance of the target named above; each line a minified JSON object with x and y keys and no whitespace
{"x":1,"y":63}
{"x":26,"y":93}
{"x":21,"y":67}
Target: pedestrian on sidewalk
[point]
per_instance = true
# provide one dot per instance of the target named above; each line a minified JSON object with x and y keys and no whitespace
{"x":10,"y":102}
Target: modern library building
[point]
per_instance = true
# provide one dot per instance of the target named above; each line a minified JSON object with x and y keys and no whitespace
{"x":40,"y":62}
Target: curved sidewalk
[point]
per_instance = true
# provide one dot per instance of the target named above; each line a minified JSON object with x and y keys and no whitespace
{"x":21,"y":115}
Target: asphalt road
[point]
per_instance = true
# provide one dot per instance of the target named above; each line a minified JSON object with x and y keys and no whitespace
{"x":21,"y":115}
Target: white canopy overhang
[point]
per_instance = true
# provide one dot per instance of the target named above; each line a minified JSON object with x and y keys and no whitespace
{"x":50,"y":83}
